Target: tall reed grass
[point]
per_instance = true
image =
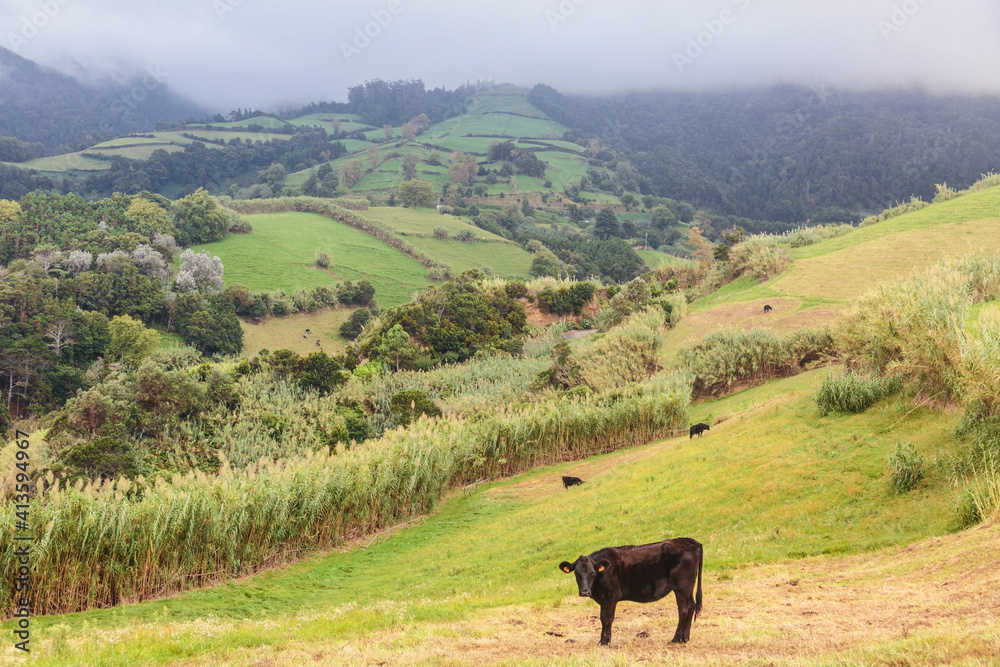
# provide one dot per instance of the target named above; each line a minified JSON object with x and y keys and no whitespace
{"x":103,"y":544}
{"x":915,"y":204}
{"x":804,"y":236}
{"x":916,"y":329}
{"x":852,"y":393}
{"x":732,"y":359}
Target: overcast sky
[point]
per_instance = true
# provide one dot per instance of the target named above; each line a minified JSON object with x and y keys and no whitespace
{"x":265,"y":54}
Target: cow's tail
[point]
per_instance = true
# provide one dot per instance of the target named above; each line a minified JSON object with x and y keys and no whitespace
{"x":697,"y":595}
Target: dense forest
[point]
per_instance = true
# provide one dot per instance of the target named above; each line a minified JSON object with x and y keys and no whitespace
{"x":380,"y":102}
{"x":40,"y":105}
{"x":790,"y":154}
{"x":198,"y":166}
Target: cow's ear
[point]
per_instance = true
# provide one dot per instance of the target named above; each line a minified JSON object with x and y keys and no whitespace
{"x":603,"y":565}
{"x":566,"y":566}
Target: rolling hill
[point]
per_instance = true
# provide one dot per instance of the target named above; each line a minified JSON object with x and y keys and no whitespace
{"x":804,"y":514}
{"x":824,"y":277}
{"x":811,"y":558}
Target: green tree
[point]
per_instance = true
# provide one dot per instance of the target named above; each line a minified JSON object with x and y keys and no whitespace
{"x":410,"y":404}
{"x":321,"y":372}
{"x":662,"y":217}
{"x":353,"y":327}
{"x":397,"y":349}
{"x":274,"y":177}
{"x":416,"y":194}
{"x":545,"y":264}
{"x":410,"y":162}
{"x":199,"y":219}
{"x":131,"y":342}
{"x":607,"y":225}
{"x":526,"y":209}
{"x":146,"y":218}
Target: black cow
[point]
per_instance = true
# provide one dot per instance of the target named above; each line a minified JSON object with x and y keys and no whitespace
{"x":767,"y":309}
{"x":571,"y":481}
{"x":642,"y":574}
{"x":698,"y":429}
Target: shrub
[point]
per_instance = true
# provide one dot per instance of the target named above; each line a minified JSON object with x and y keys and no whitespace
{"x":853,"y":393}
{"x":758,"y":256}
{"x":466,"y":236}
{"x":438,"y":274}
{"x":441,"y":233}
{"x":353,"y":327}
{"x":944,"y":193}
{"x":516,"y":289}
{"x":410,"y":404}
{"x":906,"y":469}
{"x":323,"y":259}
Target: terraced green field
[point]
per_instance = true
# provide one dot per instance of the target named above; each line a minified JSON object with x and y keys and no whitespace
{"x":280,"y":254}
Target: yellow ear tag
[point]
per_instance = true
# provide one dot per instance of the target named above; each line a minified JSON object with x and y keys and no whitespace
{"x":600,"y":569}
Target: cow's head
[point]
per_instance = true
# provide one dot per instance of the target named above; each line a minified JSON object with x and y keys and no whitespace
{"x":587,"y":571}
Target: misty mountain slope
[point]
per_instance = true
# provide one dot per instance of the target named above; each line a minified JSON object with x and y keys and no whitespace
{"x":38,"y":104}
{"x":791,"y":154}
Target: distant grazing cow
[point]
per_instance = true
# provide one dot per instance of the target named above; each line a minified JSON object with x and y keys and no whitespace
{"x":698,"y":429}
{"x":767,"y":309}
{"x":571,"y":481}
{"x":317,"y":343}
{"x":307,"y":331}
{"x":642,"y":574}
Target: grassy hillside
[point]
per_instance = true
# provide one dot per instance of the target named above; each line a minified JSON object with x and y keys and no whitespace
{"x":477,"y":582}
{"x":506,"y":258}
{"x":494,"y":115}
{"x":822,"y":278}
{"x":280,"y":254}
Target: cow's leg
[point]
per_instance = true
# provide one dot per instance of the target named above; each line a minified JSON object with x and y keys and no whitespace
{"x":607,"y":618}
{"x":685,"y":615}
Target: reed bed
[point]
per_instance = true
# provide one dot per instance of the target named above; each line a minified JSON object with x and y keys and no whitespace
{"x":103,"y":544}
{"x":804,"y":236}
{"x":853,"y":393}
{"x":733,"y":359}
{"x":627,"y":353}
{"x":917,"y":330}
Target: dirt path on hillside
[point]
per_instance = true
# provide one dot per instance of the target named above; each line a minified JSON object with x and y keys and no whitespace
{"x":939,"y":599}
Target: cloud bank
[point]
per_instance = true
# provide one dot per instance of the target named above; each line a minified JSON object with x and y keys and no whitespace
{"x":263,"y":54}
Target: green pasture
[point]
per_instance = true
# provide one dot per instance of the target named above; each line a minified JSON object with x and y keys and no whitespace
{"x":770,"y":483}
{"x":280,"y":254}
{"x":508,"y":259}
